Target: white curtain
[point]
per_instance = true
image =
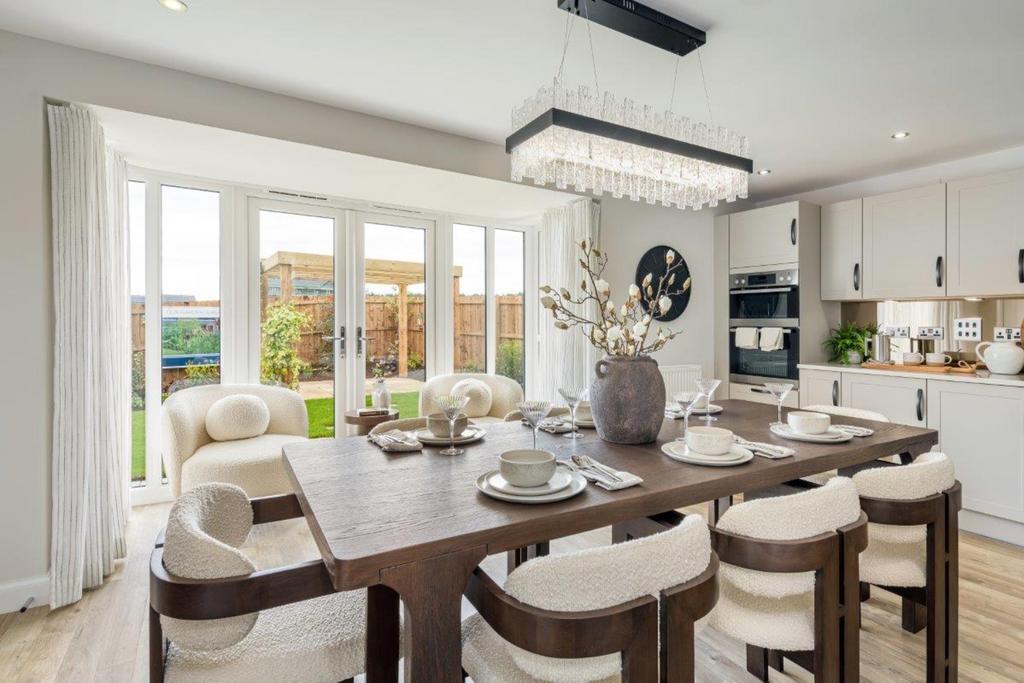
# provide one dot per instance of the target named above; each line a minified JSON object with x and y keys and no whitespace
{"x":563,"y":357}
{"x":91,"y":376}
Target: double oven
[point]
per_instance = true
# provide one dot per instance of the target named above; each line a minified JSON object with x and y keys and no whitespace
{"x":768,"y":299}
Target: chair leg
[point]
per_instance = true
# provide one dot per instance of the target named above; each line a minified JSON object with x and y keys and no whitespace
{"x":775,"y":660}
{"x":640,"y":660}
{"x":865,"y":591}
{"x":757,"y":662}
{"x":677,"y":646}
{"x":827,"y":631}
{"x":915,"y":616}
{"x":936,"y":593}
{"x":952,"y":590}
{"x":156,"y":648}
{"x":518,"y":556}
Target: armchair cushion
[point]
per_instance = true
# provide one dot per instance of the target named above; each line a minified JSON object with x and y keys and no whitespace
{"x":506,"y":393}
{"x":255,"y":465}
{"x":479,"y":395}
{"x":241,"y":416}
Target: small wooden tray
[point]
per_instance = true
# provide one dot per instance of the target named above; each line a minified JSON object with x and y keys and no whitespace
{"x":934,"y":369}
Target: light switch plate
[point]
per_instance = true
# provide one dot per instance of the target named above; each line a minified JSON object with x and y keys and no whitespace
{"x":1007,"y":334}
{"x":967,"y":329}
{"x":929,"y":332}
{"x":899,"y":332}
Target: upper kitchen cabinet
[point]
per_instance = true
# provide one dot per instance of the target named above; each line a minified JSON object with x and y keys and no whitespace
{"x":764,"y":237}
{"x":985,"y":227}
{"x":842,"y":271}
{"x":905,"y":244}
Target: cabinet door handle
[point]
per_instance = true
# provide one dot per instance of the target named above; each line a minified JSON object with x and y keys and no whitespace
{"x":920,"y":405}
{"x":792,"y":232}
{"x":835,"y":392}
{"x":938,"y":272}
{"x":856,"y":276}
{"x":759,"y":390}
{"x":1020,"y":266}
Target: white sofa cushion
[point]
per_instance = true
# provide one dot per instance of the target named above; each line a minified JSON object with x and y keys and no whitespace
{"x":241,"y":416}
{"x":506,"y":393}
{"x":256,"y":465}
{"x":479,"y":394}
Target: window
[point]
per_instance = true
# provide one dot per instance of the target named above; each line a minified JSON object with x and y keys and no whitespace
{"x":137,"y":290}
{"x":469,"y":289}
{"x":510,"y":312}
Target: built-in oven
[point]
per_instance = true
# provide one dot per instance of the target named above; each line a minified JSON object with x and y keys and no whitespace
{"x":767,"y":299}
{"x":756,"y":366}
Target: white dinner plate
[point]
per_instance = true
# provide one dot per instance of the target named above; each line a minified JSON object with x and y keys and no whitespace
{"x":577,"y":484}
{"x":677,"y":450}
{"x":561,"y":479}
{"x":831,"y":435}
{"x":585,"y":424}
{"x":427,"y":438}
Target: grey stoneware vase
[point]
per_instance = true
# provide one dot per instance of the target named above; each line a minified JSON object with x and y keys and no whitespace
{"x":627,"y":399}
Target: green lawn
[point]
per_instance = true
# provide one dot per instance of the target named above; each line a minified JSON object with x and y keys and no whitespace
{"x":321,"y":417}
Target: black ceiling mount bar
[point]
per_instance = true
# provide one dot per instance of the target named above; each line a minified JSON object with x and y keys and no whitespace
{"x":640,"y":22}
{"x":613,"y":131}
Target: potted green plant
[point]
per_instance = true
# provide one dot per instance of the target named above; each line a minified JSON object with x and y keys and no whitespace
{"x":847,"y":344}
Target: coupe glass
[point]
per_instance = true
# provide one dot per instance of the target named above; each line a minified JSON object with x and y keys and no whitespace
{"x":686,"y":400}
{"x":707,"y":387}
{"x":780,"y":390}
{"x":452,"y":407}
{"x":573,"y":394}
{"x":534,"y":412}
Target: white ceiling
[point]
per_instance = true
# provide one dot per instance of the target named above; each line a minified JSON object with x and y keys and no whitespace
{"x":817,"y":85}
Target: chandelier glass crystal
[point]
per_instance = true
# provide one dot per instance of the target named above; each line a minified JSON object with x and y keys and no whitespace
{"x":588,"y":140}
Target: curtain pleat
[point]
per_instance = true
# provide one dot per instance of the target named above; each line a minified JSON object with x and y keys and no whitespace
{"x":91,"y":378}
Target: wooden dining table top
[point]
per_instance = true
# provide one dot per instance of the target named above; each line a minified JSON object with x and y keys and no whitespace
{"x":369,"y":510}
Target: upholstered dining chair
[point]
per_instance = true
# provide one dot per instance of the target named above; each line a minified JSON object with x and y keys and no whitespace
{"x":593,"y":615}
{"x":215,"y":617}
{"x":250,"y":459}
{"x":913,"y":513}
{"x":492,"y":397}
{"x":842,"y":411}
{"x":517,"y":415}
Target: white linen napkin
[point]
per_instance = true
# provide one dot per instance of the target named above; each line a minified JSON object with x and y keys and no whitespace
{"x":746,"y":337}
{"x":396,"y":441}
{"x":771,"y":339}
{"x":552,"y":425}
{"x":855,"y":430}
{"x":607,"y":483}
{"x":766,"y":450}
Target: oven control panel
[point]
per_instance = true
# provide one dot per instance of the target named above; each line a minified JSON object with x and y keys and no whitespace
{"x":775,"y":278}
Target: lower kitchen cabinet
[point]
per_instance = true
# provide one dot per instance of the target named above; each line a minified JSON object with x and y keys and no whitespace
{"x":981,"y":427}
{"x":901,"y":399}
{"x":820,"y":388}
{"x":758,"y":394}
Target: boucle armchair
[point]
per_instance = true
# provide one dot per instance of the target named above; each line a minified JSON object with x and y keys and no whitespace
{"x":592,"y":615}
{"x":192,"y":457}
{"x":505,"y":394}
{"x":215,"y":617}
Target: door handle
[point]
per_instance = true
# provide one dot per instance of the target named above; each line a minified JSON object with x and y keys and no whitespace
{"x":856,"y":276}
{"x":792,"y":232}
{"x":938,"y":272}
{"x":360,"y":340}
{"x":1020,"y":266}
{"x":920,"y":405}
{"x":339,"y":338}
{"x":835,"y":392}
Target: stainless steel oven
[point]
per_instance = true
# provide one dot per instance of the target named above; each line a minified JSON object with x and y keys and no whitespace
{"x":767,"y":299}
{"x":754,"y":366}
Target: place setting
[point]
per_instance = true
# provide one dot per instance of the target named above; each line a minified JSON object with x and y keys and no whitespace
{"x":801,"y":425}
{"x":708,"y":446}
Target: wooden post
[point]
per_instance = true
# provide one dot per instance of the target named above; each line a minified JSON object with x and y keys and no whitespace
{"x":403,"y":330}
{"x":286,"y":281}
{"x":456,"y":324}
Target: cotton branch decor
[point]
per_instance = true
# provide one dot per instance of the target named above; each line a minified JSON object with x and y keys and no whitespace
{"x":627,"y":329}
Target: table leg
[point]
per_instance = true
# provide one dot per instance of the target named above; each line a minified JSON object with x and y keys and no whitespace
{"x":431,"y":591}
{"x":717,"y":508}
{"x":382,"y":635}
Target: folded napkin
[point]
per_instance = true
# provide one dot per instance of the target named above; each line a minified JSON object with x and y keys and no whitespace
{"x":599,"y":478}
{"x":746,"y":337}
{"x":854,"y":430}
{"x":771,"y":339}
{"x":765,"y":450}
{"x":396,"y":441}
{"x":552,"y":425}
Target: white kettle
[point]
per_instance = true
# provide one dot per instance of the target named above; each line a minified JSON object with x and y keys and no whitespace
{"x":1002,"y":358}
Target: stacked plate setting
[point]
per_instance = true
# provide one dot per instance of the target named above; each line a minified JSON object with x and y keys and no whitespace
{"x":530,"y":476}
{"x":428,"y":438}
{"x":811,"y":427}
{"x":709,"y":446}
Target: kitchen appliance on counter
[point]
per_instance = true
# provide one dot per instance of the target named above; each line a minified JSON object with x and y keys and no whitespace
{"x":880,"y":347}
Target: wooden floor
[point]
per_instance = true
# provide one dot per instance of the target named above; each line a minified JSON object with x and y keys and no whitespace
{"x":103,"y":637}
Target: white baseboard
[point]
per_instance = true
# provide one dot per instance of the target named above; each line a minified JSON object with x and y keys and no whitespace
{"x":148,"y":495}
{"x":14,"y":594}
{"x":993,"y":527}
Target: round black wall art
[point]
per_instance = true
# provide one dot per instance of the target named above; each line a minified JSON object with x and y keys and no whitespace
{"x":654,"y":262}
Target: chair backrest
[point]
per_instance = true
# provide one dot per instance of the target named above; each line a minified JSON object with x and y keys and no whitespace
{"x":505,"y":392}
{"x":930,"y":474}
{"x":843,"y":411}
{"x":183,"y":420}
{"x":405,"y":424}
{"x":205,"y":527}
{"x":796,"y":516}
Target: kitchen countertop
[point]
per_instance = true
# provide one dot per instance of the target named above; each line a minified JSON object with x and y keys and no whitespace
{"x":982,"y":377}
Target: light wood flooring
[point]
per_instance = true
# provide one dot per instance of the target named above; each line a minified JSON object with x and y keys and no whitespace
{"x":103,"y":637}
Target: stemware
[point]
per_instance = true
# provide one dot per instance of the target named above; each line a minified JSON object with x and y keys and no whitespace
{"x":452,"y":407}
{"x":534,"y":412}
{"x":779,"y":390}
{"x":573,"y":395}
{"x":707,"y":387}
{"x":687,"y":400}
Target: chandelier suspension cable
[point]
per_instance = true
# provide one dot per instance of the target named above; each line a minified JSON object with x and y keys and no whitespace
{"x":707,"y":95}
{"x":565,"y":44}
{"x":590,"y":38}
{"x":675,"y":77}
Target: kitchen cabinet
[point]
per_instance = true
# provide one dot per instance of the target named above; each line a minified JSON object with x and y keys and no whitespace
{"x":758,"y":394}
{"x":764,"y":237}
{"x":905,"y":244}
{"x":985,"y":235}
{"x":982,"y":429}
{"x":901,"y":399}
{"x":841,"y":267}
{"x":820,"y":388}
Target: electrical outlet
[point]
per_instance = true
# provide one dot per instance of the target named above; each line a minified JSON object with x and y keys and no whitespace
{"x":899,"y":332}
{"x":1007,"y":334}
{"x":929,"y":332}
{"x":967,"y":329}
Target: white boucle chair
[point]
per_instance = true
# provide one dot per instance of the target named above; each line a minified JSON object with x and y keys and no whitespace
{"x":592,"y":615}
{"x":226,"y":622}
{"x":842,"y":411}
{"x":505,"y":395}
{"x":789,"y":583}
{"x":192,"y":457}
{"x":912,"y":551}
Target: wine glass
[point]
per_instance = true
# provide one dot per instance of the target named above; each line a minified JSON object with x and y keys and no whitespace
{"x":779,"y":390}
{"x":686,"y":400}
{"x":452,"y":407}
{"x":707,"y":387}
{"x":573,"y":394}
{"x":534,"y":412}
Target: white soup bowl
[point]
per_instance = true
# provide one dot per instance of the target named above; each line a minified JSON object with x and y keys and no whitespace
{"x":527,"y":467}
{"x":808,"y":423}
{"x":709,"y":440}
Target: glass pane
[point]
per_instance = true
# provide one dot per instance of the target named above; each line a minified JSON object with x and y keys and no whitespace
{"x":137,"y":290}
{"x":509,"y":287}
{"x":297,"y":310}
{"x":190,"y":243}
{"x":395,"y":312}
{"x":469,"y":277}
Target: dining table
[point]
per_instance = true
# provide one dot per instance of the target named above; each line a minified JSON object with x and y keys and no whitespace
{"x":413,"y":526}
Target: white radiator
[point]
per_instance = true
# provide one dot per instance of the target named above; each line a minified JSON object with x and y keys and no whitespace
{"x":680,"y":378}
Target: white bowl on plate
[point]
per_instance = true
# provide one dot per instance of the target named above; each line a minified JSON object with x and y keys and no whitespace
{"x":709,"y":440}
{"x":438,"y":425}
{"x":583,"y":413}
{"x":527,"y":467}
{"x":806,"y":422}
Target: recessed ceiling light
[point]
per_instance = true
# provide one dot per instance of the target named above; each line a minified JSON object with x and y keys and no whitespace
{"x":764,"y":171}
{"x":174,"y":5}
{"x":900,"y":134}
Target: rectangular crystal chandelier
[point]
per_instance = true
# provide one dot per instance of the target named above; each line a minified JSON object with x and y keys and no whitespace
{"x":591,"y":141}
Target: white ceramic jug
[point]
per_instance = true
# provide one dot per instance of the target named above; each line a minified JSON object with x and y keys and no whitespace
{"x":1002,"y":358}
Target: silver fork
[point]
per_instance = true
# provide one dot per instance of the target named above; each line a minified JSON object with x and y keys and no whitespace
{"x":586,"y":462}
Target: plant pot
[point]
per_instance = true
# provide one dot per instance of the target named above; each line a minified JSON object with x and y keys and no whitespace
{"x":627,"y":399}
{"x":854,"y":357}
